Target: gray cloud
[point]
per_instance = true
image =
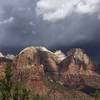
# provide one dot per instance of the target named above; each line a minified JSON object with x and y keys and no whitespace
{"x":20,"y":26}
{"x":53,"y":10}
{"x":7,"y":20}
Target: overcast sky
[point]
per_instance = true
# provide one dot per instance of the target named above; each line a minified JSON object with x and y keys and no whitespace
{"x":56,"y":24}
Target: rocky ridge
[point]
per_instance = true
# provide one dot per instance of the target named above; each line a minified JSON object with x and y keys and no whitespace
{"x":56,"y":65}
{"x":35,"y":65}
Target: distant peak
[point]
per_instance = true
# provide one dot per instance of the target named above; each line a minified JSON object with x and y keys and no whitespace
{"x":79,"y":54}
{"x":60,"y":55}
{"x":10,"y":56}
{"x":1,"y":55}
{"x":41,"y":48}
{"x":27,"y":48}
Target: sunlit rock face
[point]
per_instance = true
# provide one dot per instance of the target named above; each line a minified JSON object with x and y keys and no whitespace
{"x":1,"y":55}
{"x":76,"y":65}
{"x":27,"y":57}
{"x":36,"y":56}
{"x":27,"y":68}
{"x":10,"y":56}
{"x":79,"y":54}
{"x":32,"y":65}
{"x":60,"y":56}
{"x":35,"y":61}
{"x":27,"y":64}
{"x":77,"y":62}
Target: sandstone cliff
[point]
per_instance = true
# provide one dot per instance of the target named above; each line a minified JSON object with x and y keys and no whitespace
{"x":37,"y":67}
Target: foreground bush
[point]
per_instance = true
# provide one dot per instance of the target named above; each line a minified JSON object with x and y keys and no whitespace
{"x":17,"y":91}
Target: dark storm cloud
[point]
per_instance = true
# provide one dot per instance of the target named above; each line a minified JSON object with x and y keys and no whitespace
{"x":20,"y":29}
{"x":20,"y":26}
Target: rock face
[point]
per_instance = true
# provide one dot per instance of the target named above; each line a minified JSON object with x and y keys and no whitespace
{"x":80,"y":55}
{"x":32,"y":64}
{"x":60,"y":56}
{"x":36,"y":56}
{"x":35,"y":64}
{"x":10,"y":56}
{"x":76,"y":65}
{"x":1,"y":55}
{"x":27,"y":64}
{"x":77,"y":62}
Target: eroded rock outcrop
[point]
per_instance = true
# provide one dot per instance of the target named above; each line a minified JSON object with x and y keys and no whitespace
{"x":60,"y":56}
{"x":32,"y":64}
{"x":76,"y":65}
{"x":35,"y":64}
{"x":78,"y":62}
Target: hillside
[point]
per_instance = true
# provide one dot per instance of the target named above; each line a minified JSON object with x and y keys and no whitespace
{"x":53,"y":73}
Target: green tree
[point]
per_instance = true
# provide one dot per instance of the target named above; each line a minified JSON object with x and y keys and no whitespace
{"x":10,"y":91}
{"x":16,"y":90}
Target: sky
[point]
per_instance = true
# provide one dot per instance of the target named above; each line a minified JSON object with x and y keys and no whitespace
{"x":55,"y":24}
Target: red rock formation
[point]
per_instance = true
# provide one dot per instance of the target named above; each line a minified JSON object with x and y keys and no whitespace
{"x":3,"y":62}
{"x":38,"y":61}
{"x":35,"y":64}
{"x":77,"y":64}
{"x":31,"y":66}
